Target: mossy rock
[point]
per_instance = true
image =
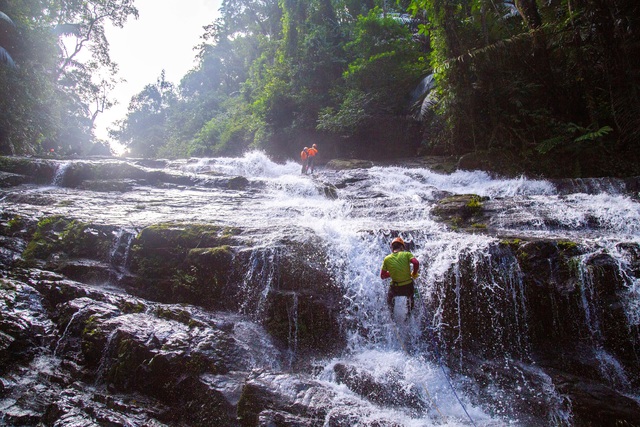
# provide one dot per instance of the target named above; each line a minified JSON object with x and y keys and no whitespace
{"x":70,"y":238}
{"x":38,"y":170}
{"x":184,"y":263}
{"x":462,"y":212}
{"x":345,"y":164}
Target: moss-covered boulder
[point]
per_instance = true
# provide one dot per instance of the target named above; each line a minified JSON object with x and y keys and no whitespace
{"x":291,"y":292}
{"x":462,"y":212}
{"x":174,"y":262}
{"x":40,"y":171}
{"x":56,"y":239}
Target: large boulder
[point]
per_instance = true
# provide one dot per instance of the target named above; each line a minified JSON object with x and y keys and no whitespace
{"x":181,"y":262}
{"x":555,"y":311}
{"x":41,"y":171}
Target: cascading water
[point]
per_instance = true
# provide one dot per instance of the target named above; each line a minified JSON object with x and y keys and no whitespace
{"x":357,"y":228}
{"x":372,"y":206}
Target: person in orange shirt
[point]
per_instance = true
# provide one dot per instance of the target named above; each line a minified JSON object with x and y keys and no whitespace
{"x":312,"y":157}
{"x":304,"y":157}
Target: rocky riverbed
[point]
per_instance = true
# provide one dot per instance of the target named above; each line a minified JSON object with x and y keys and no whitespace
{"x":235,"y":292}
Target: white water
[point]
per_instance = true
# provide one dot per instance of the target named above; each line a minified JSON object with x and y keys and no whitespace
{"x":357,"y":228}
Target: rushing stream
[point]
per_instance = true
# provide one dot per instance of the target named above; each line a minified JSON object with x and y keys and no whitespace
{"x":369,"y":208}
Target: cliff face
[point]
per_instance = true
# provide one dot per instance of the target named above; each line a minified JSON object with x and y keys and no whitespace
{"x":187,"y":322}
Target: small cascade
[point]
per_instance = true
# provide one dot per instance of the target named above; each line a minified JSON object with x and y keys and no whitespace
{"x":104,"y":359}
{"x":292,"y":312}
{"x":258,"y":279}
{"x":588,"y":298}
{"x":58,"y":177}
{"x":61,"y":341}
{"x":120,"y":253}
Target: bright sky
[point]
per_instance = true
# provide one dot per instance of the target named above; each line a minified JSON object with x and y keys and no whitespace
{"x":163,"y":37}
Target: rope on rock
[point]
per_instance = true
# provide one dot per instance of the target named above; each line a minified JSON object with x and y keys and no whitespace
{"x":424,"y":386}
{"x":446,"y":375}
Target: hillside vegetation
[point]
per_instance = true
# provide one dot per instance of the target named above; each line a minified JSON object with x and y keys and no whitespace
{"x":545,"y":88}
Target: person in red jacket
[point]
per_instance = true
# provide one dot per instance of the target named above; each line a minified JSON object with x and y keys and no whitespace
{"x":398,"y":267}
{"x":304,"y":158}
{"x":313,"y":151}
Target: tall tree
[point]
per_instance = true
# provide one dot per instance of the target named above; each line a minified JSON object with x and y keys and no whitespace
{"x":64,"y":74}
{"x":144,"y":130}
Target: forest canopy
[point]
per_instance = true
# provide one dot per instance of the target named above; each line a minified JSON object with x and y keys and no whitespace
{"x":546,"y":88}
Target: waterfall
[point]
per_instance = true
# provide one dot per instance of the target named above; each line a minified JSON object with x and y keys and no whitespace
{"x":120,"y":252}
{"x":383,"y":202}
{"x":470,"y":352}
{"x":58,"y":177}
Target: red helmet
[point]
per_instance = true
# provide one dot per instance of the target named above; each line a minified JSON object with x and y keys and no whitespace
{"x":397,"y":240}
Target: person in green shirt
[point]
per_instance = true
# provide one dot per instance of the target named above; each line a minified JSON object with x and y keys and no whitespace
{"x":397,"y":266}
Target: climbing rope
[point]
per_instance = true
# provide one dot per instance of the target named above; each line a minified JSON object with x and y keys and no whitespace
{"x":424,"y":387}
{"x":435,"y":347}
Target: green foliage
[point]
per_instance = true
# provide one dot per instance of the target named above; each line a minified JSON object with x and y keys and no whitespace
{"x":541,"y":87}
{"x":50,"y":100}
{"x":273,"y":73}
{"x":144,"y":130}
{"x":584,"y":135}
{"x":384,"y":66}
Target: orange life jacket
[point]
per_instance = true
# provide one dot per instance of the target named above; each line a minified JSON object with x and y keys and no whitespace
{"x":303,"y":155}
{"x":312,"y":152}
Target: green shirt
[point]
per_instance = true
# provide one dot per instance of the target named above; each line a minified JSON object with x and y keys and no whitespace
{"x":399,"y":267}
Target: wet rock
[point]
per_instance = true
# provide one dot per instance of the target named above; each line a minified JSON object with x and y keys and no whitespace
{"x":532,"y":399}
{"x":238,"y":183}
{"x":85,"y":271}
{"x":593,"y":403}
{"x":342,"y":164}
{"x":24,"y":325}
{"x":8,"y":179}
{"x":75,"y":173}
{"x":183,"y":263}
{"x":35,"y":170}
{"x":281,"y":418}
{"x":388,"y":391}
{"x":267,"y":394}
{"x":329,"y":191}
{"x":463,"y":211}
{"x":105,"y":185}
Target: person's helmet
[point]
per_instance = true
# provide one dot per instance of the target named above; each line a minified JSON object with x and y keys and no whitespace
{"x":305,"y":148}
{"x":397,"y":240}
{"x":314,"y":146}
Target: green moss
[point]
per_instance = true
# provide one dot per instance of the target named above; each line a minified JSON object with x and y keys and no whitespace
{"x":16,"y":223}
{"x":121,"y":371}
{"x":574,"y":265}
{"x":181,"y":316}
{"x":479,"y":225}
{"x":44,"y":238}
{"x":567,"y":245}
{"x":90,"y":327}
{"x":129,"y":307}
{"x":72,"y":237}
{"x":475,"y":203}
